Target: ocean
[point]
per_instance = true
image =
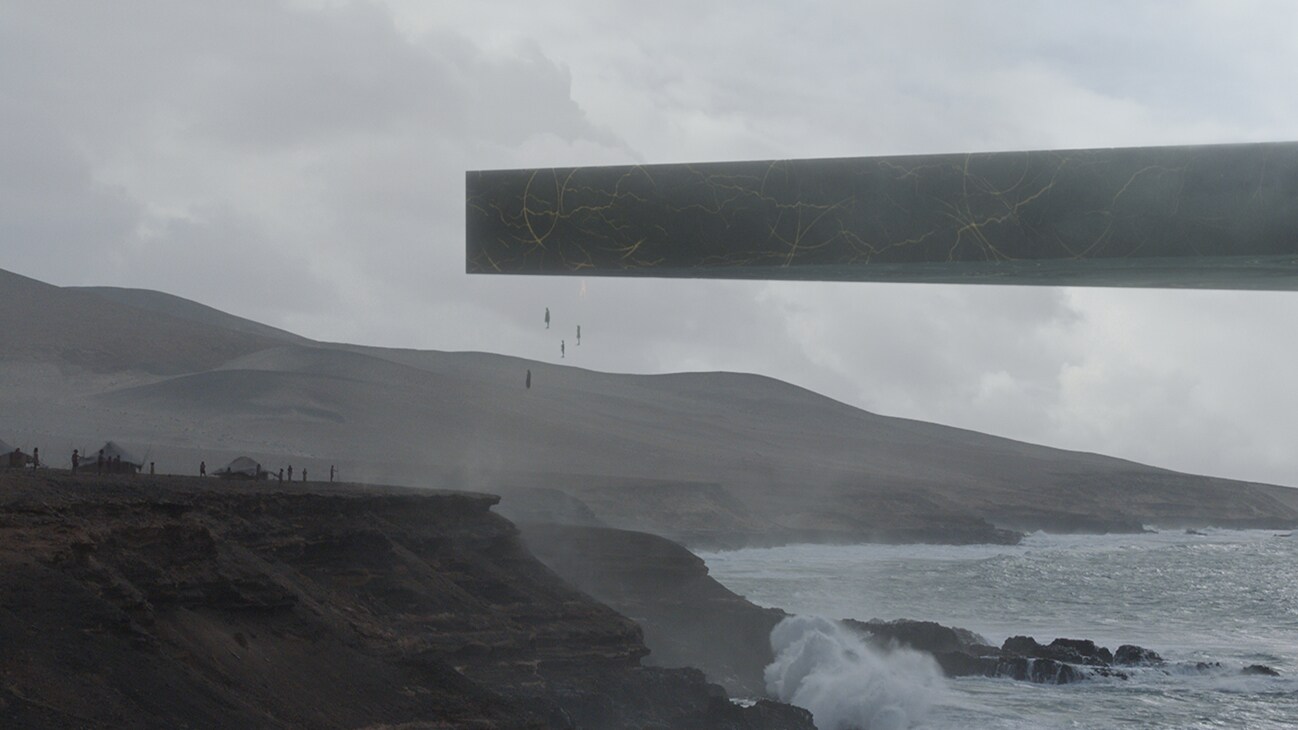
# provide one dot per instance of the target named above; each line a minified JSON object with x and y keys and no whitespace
{"x":1222,"y":596}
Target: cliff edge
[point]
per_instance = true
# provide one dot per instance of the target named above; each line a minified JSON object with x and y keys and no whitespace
{"x":181,"y":602}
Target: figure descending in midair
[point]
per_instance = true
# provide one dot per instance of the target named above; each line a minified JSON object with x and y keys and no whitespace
{"x":529,"y":379}
{"x":547,"y":318}
{"x":562,"y":349}
{"x":578,"y":335}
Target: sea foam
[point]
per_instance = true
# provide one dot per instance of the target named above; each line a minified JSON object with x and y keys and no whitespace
{"x":847,"y":685}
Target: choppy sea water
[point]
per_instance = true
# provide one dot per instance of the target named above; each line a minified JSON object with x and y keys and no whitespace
{"x":1224,"y":596}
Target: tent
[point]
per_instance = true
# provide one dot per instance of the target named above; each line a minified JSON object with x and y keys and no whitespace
{"x":129,"y":464}
{"x":241,"y":468}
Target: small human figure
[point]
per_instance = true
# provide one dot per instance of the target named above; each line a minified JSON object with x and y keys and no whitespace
{"x":36,"y":458}
{"x":150,"y":468}
{"x":202,"y":468}
{"x":304,"y":473}
{"x":16,"y":458}
{"x":578,"y":335}
{"x":290,"y":472}
{"x":561,"y":349}
{"x":99,"y":462}
{"x":281,"y":475}
{"x":529,"y":379}
{"x":256,"y":475}
{"x":331,"y":473}
{"x":547,"y":318}
{"x":76,"y":460}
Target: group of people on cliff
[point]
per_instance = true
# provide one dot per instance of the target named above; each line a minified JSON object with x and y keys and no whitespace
{"x":110,"y":463}
{"x":257,"y":473}
{"x":106,"y":463}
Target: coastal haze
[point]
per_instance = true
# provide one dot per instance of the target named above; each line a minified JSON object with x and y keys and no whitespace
{"x":238,"y":229}
{"x":711,"y":459}
{"x":302,"y":163}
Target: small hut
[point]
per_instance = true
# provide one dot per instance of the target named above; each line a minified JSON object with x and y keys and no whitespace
{"x":13,"y":457}
{"x":241,"y":468}
{"x":117,"y":460}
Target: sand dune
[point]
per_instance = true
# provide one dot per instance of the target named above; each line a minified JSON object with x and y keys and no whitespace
{"x":705,"y":457}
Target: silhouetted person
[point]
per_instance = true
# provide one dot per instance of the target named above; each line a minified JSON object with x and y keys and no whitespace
{"x":561,"y":349}
{"x":99,"y":462}
{"x":202,"y":468}
{"x":256,"y":475}
{"x":150,"y":468}
{"x":331,"y":472}
{"x":281,"y":475}
{"x":16,"y":458}
{"x":36,"y":458}
{"x":290,"y":472}
{"x":529,"y":379}
{"x":547,"y":318}
{"x":578,"y":335}
{"x":76,"y":460}
{"x":304,"y":473}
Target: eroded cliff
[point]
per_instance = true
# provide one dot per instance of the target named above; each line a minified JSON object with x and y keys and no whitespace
{"x":174,"y":602}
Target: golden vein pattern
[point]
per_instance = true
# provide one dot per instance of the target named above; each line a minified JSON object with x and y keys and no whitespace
{"x":1217,"y":216}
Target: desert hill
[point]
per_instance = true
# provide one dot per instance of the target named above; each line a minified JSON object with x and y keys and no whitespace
{"x":174,"y":306}
{"x":84,"y":331}
{"x":709,"y":458}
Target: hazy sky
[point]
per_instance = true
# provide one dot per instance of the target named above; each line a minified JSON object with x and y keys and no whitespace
{"x":302,"y":164}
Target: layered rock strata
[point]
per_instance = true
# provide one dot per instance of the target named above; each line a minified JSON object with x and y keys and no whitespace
{"x":172,"y":602}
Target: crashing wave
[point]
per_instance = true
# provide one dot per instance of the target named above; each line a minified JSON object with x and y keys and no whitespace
{"x":846,"y":684}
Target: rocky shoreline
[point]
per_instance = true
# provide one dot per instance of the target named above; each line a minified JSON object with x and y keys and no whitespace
{"x":180,"y":602}
{"x":177,"y":601}
{"x":962,"y":653}
{"x":690,"y":619}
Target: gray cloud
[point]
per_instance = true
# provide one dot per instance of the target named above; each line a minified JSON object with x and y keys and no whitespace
{"x":313,"y":153}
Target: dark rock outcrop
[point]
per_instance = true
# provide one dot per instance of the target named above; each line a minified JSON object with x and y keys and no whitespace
{"x":688,"y":618}
{"x":158,"y":603}
{"x":1024,"y":669}
{"x":927,"y":636}
{"x":962,"y":653}
{"x":1071,"y":651}
{"x":1260,"y":670}
{"x":1128,"y":655}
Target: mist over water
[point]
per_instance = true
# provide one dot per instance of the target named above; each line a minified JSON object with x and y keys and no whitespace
{"x":1225,"y":596}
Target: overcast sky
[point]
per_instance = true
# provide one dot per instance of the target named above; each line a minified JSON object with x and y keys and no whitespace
{"x":302,"y":164}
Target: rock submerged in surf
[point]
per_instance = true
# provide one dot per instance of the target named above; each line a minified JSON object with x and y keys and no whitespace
{"x":1260,"y":670}
{"x":962,"y":653}
{"x":1130,"y":655}
{"x":1069,"y":651}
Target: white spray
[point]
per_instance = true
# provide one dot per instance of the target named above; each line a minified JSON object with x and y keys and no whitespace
{"x":827,"y":669}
